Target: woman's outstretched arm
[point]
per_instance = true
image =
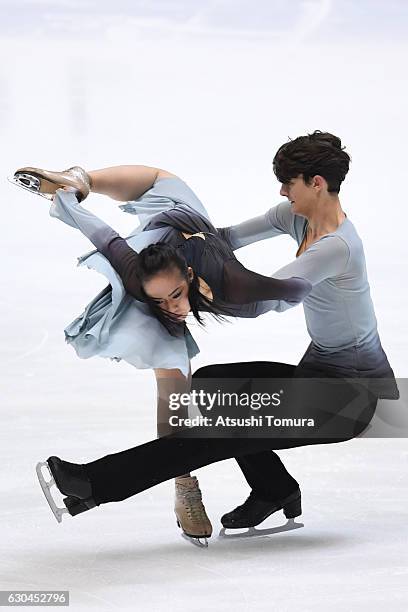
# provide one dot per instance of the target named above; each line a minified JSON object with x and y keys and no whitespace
{"x":325,"y":259}
{"x":243,"y":286}
{"x":125,"y":183}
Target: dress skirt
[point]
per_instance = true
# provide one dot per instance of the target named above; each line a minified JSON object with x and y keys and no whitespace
{"x":115,"y":325}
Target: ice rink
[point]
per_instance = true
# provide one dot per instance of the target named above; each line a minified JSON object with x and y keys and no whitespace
{"x":208,"y":93}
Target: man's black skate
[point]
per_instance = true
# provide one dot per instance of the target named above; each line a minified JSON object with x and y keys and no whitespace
{"x":255,"y":510}
{"x":71,"y":480}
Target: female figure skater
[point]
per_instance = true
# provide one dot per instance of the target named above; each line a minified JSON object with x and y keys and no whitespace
{"x":345,"y":343}
{"x":173,"y":263}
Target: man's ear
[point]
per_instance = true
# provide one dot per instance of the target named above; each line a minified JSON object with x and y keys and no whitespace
{"x":319,"y":181}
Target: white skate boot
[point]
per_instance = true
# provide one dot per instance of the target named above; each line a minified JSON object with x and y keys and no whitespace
{"x":190,"y":512}
{"x":46,"y":182}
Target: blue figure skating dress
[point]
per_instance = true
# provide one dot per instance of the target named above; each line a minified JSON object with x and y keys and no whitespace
{"x":117,"y":323}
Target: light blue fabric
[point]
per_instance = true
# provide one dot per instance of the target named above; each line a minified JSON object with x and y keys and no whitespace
{"x":113,"y":324}
{"x":165,"y":194}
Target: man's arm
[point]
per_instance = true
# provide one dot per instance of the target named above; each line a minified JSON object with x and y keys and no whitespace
{"x":275,"y":222}
{"x":327,"y":258}
{"x":169,"y":382}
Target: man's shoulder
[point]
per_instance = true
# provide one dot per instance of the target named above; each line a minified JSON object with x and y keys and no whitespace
{"x":348,"y":233}
{"x":283,"y":217}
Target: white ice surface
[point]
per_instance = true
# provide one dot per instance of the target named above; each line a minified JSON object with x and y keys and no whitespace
{"x":213,"y":107}
{"x":351,"y":554}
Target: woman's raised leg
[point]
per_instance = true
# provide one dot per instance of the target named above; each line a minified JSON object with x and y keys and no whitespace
{"x":125,"y":183}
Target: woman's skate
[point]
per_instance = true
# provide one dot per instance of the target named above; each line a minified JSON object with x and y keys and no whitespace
{"x":46,"y":182}
{"x":190,"y":512}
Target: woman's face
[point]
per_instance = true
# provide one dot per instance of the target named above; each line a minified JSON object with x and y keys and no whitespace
{"x":169,"y":289}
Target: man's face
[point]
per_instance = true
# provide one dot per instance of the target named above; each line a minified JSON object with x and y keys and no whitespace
{"x":301,"y":196}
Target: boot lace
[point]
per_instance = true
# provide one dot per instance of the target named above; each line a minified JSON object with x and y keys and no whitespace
{"x":193,"y":504}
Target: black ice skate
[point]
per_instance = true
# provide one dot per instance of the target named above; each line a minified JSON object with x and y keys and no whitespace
{"x":255,"y":510}
{"x":71,"y":480}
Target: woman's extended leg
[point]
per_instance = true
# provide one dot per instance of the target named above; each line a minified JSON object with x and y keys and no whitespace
{"x":121,"y":183}
{"x":124,"y":183}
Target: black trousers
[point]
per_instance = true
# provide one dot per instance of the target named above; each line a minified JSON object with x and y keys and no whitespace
{"x":121,"y":475}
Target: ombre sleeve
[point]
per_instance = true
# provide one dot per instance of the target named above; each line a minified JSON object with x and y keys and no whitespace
{"x":110,"y":244}
{"x":290,"y":285}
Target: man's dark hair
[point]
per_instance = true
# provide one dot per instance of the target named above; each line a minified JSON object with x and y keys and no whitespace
{"x":318,"y":153}
{"x":162,"y":257}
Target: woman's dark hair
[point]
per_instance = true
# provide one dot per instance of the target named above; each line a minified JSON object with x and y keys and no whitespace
{"x":161,"y":257}
{"x":318,"y":153}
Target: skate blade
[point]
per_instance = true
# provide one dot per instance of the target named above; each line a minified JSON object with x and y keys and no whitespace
{"x":253,"y":532}
{"x":46,"y":489}
{"x":30,"y":184}
{"x":196,"y":541}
